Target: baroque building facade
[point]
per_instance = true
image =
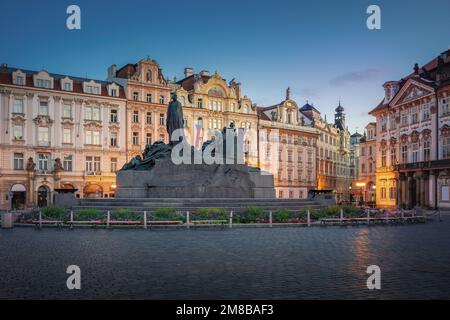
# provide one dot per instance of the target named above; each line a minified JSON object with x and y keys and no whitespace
{"x":364,"y":186}
{"x":148,"y":95}
{"x":58,"y":131}
{"x":413,"y":138}
{"x":333,"y":151}
{"x":287,"y":149}
{"x":210,"y":103}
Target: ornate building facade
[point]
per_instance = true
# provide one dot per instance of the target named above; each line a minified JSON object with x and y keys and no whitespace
{"x":293,"y":161}
{"x":413,"y":138}
{"x":58,"y":132}
{"x":364,"y":186}
{"x":148,"y":95}
{"x":210,"y":104}
{"x":333,"y":151}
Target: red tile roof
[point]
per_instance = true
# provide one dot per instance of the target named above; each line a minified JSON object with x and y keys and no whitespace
{"x":6,"y":78}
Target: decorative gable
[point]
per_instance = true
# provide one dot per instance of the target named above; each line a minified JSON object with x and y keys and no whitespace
{"x":411,"y":91}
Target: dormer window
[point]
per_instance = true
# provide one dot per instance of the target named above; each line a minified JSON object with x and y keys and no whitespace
{"x":113,"y":90}
{"x":67,"y":84}
{"x":91,"y":87}
{"x":43,"y":80}
{"x":19,"y":78}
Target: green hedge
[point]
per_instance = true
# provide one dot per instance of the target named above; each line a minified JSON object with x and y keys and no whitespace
{"x":53,"y":212}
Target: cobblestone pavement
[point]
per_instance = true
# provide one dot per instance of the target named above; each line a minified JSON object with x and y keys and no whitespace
{"x":278,"y":263}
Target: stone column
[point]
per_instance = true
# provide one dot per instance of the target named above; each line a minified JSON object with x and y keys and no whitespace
{"x":410,"y":190}
{"x":424,"y":190}
{"x":400,"y":190}
{"x":418,"y":189}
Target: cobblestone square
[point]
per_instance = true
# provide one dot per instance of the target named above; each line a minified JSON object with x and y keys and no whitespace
{"x":259,"y":263}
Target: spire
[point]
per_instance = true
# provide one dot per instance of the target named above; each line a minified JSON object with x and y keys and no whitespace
{"x":288,"y":93}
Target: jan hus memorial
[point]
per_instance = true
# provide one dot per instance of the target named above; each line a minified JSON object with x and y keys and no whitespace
{"x":178,"y":170}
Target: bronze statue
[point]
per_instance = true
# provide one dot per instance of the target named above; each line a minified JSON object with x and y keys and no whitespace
{"x":174,"y":116}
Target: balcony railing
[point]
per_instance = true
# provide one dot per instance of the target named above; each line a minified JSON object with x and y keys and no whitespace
{"x":434,"y":164}
{"x":92,"y":173}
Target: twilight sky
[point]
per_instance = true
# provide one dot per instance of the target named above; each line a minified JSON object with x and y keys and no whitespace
{"x":321,"y":49}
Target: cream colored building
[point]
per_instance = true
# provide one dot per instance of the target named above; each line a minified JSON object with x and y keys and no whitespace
{"x":413,"y":138}
{"x":364,"y":186}
{"x":287,"y":149}
{"x":333,"y":151}
{"x":210,"y":104}
{"x":58,"y":132}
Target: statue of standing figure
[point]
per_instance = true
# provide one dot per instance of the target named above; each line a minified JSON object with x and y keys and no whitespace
{"x":174,"y":117}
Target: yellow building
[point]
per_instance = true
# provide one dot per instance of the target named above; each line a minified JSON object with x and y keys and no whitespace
{"x":210,"y":104}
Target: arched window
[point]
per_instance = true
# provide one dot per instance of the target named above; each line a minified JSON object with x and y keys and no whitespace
{"x":149,"y":76}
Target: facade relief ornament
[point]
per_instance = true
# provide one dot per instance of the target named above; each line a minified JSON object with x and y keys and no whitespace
{"x":414,"y":136}
{"x":92,"y":125}
{"x":31,"y":166}
{"x":404,"y":139}
{"x":58,"y":166}
{"x":43,"y":121}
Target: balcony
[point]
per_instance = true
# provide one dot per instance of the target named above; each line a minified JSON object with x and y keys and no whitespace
{"x":434,"y":164}
{"x":43,"y":143}
{"x":92,"y":173}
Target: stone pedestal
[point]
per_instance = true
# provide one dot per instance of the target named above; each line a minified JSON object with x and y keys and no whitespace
{"x":167,"y":180}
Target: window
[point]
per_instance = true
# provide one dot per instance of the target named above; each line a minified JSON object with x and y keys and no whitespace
{"x":67,"y":111}
{"x":370,"y":167}
{"x":149,"y":138}
{"x":363,"y":151}
{"x":67,"y":163}
{"x":113,"y":92}
{"x":43,"y":108}
{"x":415,"y":152}
{"x":383,"y":158}
{"x":393,"y":157}
{"x":43,"y":136}
{"x":446,"y":148}
{"x":161,"y":119}
{"x":383,"y":123}
{"x":161,"y":99}
{"x":149,"y":118}
{"x":135,"y":116}
{"x":43,"y":161}
{"x":383,"y":193}
{"x":113,"y":164}
{"x":426,"y":151}
{"x":149,"y":98}
{"x":200,"y":103}
{"x":113,"y":116}
{"x":113,"y":139}
{"x":403,"y":118}
{"x":426,"y":112}
{"x":18,"y":132}
{"x":405,"y":154}
{"x":67,"y":86}
{"x":19,"y":80}
{"x":92,"y":137}
{"x":92,"y":164}
{"x":67,"y":135}
{"x":92,"y":113}
{"x":135,"y":96}
{"x":135,"y":138}
{"x":445,"y":106}
{"x":392,"y":193}
{"x":41,"y":83}
{"x":280,"y":194}
{"x":18,"y":161}
{"x":18,"y":106}
{"x":232,"y":108}
{"x":414,"y":116}
{"x":92,"y":90}
{"x":363,"y":168}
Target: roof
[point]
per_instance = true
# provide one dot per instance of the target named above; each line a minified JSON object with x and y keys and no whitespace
{"x":356,"y":135}
{"x":6,"y":78}
{"x":420,"y":76}
{"x":308,"y":107}
{"x":188,"y":82}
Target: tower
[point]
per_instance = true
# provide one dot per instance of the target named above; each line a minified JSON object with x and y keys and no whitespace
{"x":339,"y":117}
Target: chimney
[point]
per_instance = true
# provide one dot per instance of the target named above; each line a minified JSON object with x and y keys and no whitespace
{"x":204,"y":73}
{"x":112,"y":72}
{"x":4,"y":66}
{"x":188,"y":72}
